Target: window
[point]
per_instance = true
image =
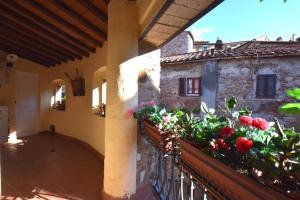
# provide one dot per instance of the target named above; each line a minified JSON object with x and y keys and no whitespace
{"x":205,"y":48}
{"x":103,"y":97}
{"x":266,"y":86}
{"x":99,"y":102}
{"x":190,"y":86}
{"x":58,"y":101}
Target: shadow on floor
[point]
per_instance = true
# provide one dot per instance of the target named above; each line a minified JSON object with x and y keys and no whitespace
{"x":49,"y":167}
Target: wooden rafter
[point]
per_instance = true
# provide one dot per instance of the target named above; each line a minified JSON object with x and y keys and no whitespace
{"x":24,"y":54}
{"x":93,"y":9}
{"x":4,"y":11}
{"x":64,"y":22}
{"x":81,"y":19}
{"x":16,"y":44}
{"x":52,"y":32}
{"x":24,"y":40}
{"x":24,"y":31}
{"x":24,"y":11}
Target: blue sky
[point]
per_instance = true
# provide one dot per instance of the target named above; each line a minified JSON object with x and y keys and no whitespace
{"x":237,"y":20}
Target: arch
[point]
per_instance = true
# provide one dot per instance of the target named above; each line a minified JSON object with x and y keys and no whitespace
{"x":99,"y":91}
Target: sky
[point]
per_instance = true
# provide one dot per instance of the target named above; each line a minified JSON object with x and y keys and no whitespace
{"x":239,"y":20}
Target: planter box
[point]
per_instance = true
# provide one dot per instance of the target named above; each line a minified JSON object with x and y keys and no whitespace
{"x":162,"y":141}
{"x":234,"y":185}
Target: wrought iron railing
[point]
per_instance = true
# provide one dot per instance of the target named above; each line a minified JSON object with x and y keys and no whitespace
{"x":175,"y":181}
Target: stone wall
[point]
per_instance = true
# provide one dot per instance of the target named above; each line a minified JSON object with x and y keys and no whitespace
{"x":148,"y":90}
{"x":238,"y":78}
{"x":169,"y":85}
{"x":181,"y":44}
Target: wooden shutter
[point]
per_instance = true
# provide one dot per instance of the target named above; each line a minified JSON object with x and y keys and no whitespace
{"x":200,"y":84}
{"x":260,"y":86}
{"x":181,"y":91}
{"x":271,"y":86}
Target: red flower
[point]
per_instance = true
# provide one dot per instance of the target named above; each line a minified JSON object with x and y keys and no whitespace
{"x":226,"y":131}
{"x":213,"y":146}
{"x":243,"y":144}
{"x":222,"y":144}
{"x":246,"y":120}
{"x":261,"y":124}
{"x":130,"y":113}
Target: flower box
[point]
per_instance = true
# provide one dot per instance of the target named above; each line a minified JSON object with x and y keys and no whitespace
{"x":229,"y":182}
{"x":162,"y":141}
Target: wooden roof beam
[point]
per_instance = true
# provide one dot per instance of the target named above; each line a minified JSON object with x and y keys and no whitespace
{"x":10,"y":42}
{"x":4,"y":11}
{"x":23,"y":40}
{"x":23,"y":31}
{"x":67,"y":9}
{"x":24,"y":54}
{"x":24,"y":11}
{"x":93,"y":9}
{"x":64,"y":22}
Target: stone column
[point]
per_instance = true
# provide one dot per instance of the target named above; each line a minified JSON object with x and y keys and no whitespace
{"x":122,"y":94}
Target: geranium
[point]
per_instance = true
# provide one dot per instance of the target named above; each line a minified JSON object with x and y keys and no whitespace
{"x":142,"y":105}
{"x":222,"y":144}
{"x":213,"y":146}
{"x":243,"y":144}
{"x":261,"y":124}
{"x":246,"y":120}
{"x":130,"y":113}
{"x":226,"y":131}
{"x":166,"y":119}
{"x":151,"y":103}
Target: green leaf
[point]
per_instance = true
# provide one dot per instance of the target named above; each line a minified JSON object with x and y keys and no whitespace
{"x":231,"y":103}
{"x":204,"y":107}
{"x":295,"y":93}
{"x":290,"y":108}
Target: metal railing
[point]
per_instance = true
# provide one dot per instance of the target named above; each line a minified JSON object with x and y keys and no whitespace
{"x":174,"y":180}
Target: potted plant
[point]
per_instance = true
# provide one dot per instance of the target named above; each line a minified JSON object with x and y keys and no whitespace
{"x":243,"y":157}
{"x":157,"y":123}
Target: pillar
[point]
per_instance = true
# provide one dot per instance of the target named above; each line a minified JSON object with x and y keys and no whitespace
{"x":122,"y":94}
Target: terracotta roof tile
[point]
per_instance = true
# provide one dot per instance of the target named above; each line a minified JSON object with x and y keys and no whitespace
{"x":263,"y":49}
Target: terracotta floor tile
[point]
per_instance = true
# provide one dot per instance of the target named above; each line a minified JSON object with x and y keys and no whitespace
{"x":49,"y":167}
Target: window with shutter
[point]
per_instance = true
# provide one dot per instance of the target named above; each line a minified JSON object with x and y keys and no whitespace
{"x":190,"y":86}
{"x":266,"y":86}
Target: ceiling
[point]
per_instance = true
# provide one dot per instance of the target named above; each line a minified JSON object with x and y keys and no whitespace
{"x":51,"y":32}
{"x":174,"y":17}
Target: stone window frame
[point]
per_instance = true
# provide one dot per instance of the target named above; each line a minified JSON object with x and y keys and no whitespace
{"x":184,"y":87}
{"x":266,"y":81}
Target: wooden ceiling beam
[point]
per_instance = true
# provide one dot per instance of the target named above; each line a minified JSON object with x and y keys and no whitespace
{"x":93,"y":9}
{"x":5,"y":11}
{"x":23,"y":40}
{"x":67,"y":9}
{"x":24,"y":54}
{"x":64,"y":22}
{"x":10,"y":42}
{"x":32,"y":36}
{"x":26,"y":12}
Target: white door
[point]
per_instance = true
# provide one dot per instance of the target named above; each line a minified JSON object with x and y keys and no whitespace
{"x":26,"y":103}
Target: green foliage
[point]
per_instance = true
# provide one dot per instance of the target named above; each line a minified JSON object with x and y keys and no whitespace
{"x":292,"y":108}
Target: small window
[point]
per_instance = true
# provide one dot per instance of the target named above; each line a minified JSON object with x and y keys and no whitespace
{"x":58,"y":101}
{"x":205,"y":48}
{"x":190,"y":86}
{"x":266,"y":86}
{"x":103,"y":97}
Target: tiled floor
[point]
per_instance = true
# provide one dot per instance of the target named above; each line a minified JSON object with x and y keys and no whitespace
{"x":49,"y":167}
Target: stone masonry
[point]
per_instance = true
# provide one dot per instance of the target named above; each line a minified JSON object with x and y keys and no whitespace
{"x":237,"y":77}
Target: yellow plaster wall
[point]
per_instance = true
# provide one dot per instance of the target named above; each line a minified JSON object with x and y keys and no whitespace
{"x":78,"y":120}
{"x":8,"y":90}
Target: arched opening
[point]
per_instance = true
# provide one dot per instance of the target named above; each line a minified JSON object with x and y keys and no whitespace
{"x":99,"y":91}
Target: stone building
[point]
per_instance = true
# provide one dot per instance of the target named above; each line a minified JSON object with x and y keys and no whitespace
{"x":257,"y":72}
